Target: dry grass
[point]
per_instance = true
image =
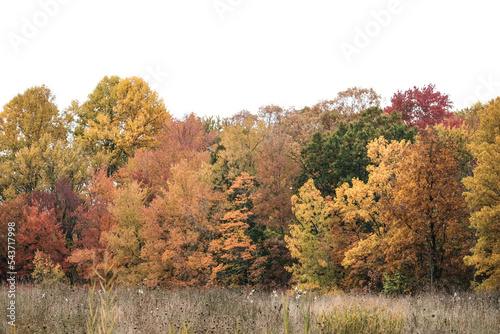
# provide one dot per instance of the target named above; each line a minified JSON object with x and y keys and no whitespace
{"x":65,"y":310}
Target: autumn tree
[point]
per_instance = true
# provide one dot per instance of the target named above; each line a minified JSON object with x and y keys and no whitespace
{"x":346,"y":107}
{"x":101,"y":101}
{"x":179,"y":139}
{"x":63,"y":202}
{"x":179,"y":225}
{"x":119,"y":118}
{"x":234,"y":249}
{"x":327,"y":115}
{"x":93,"y":221}
{"x":181,"y":208}
{"x":240,"y":144}
{"x":39,"y":230}
{"x":460,"y":137}
{"x":310,"y":241}
{"x":483,"y":196}
{"x":358,"y":226}
{"x":27,"y":118}
{"x":124,"y":240}
{"x":421,"y":106}
{"x":42,"y":166}
{"x":427,"y":213}
{"x":341,"y":156}
{"x":35,"y":153}
{"x":277,"y":174}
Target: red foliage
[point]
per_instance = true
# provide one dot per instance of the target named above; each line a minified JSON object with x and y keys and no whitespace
{"x":62,"y":200}
{"x":421,"y":106}
{"x":39,"y":230}
{"x":179,"y":140}
{"x":93,"y":218}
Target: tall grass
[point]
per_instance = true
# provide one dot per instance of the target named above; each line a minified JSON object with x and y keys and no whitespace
{"x":101,"y":317}
{"x":66,"y":310}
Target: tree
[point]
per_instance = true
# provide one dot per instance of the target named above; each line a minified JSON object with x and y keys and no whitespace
{"x":63,"y":202}
{"x":421,"y":106}
{"x":277,"y":174}
{"x":327,"y":115}
{"x":483,"y":196}
{"x":39,"y":230}
{"x":101,"y":101}
{"x":27,"y":118}
{"x":346,"y":107}
{"x":93,"y":222}
{"x":41,"y":166}
{"x":341,"y":156}
{"x":358,"y":225}
{"x":310,"y":241}
{"x":179,"y":139}
{"x":427,"y":213}
{"x":240,"y":144}
{"x":124,"y":241}
{"x":118,"y":119}
{"x":34,"y":152}
{"x":234,"y":250}
{"x":179,"y":225}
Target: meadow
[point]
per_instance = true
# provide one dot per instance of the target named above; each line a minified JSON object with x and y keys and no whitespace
{"x":65,"y":310}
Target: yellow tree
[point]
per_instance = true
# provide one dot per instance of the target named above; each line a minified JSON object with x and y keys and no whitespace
{"x":124,"y":240}
{"x":41,"y":166}
{"x":311,"y":241}
{"x":356,"y":216}
{"x":240,"y":145}
{"x":34,"y":151}
{"x":28,"y":117}
{"x":483,"y":196}
{"x":127,"y":117}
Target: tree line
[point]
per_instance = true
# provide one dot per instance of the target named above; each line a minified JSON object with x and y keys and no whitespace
{"x":341,"y":195}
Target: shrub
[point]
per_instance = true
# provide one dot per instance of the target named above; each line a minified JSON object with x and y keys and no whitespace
{"x":394,"y":284}
{"x":361,"y":320}
{"x":46,"y":272}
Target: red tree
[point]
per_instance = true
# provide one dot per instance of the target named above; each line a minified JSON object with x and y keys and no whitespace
{"x":93,"y":219}
{"x":39,"y":230}
{"x":421,"y":106}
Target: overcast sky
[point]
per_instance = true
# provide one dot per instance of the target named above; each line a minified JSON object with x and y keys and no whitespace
{"x":217,"y":57}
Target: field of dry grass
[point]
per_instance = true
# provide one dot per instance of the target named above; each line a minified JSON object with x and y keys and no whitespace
{"x":65,"y":310}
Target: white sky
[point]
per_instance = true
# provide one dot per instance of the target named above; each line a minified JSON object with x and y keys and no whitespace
{"x":256,"y":52}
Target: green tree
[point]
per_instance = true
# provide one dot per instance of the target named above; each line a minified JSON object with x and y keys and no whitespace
{"x":341,"y":156}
